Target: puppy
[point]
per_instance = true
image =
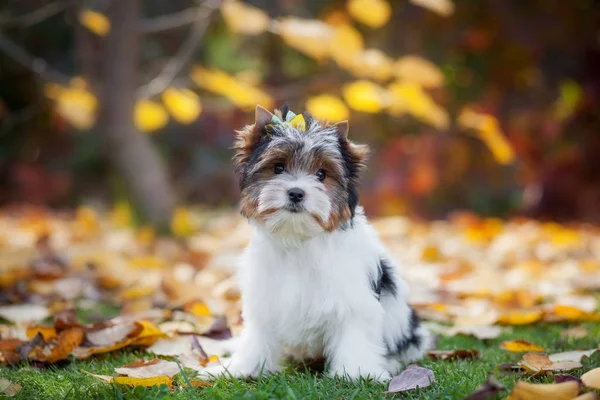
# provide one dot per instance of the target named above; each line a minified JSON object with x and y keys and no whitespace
{"x":315,"y":279}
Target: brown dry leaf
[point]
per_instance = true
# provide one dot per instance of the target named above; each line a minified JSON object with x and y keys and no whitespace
{"x":10,"y":344}
{"x":487,"y":391}
{"x":530,"y":391}
{"x":111,"y":335}
{"x":536,"y":362}
{"x":411,"y":378}
{"x":60,"y":348}
{"x":520,"y":346}
{"x":149,"y":369}
{"x":591,"y":378}
{"x":8,"y":388}
{"x":586,"y":396}
{"x":453,"y":354}
{"x":201,"y":383}
{"x":577,"y":332}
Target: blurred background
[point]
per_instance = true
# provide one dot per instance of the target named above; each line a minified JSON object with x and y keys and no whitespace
{"x":491,"y":106}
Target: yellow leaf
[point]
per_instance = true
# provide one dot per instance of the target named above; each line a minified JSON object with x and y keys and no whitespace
{"x":442,"y":7}
{"x":346,"y":43}
{"x":149,"y":115}
{"x":77,"y":106}
{"x":328,"y":108}
{"x":137,"y":292}
{"x":520,"y":317}
{"x":183,"y":104}
{"x":243,"y":18}
{"x":408,"y":97}
{"x":86,"y":221}
{"x":146,"y":262}
{"x":547,"y":391}
{"x":568,"y":100}
{"x":489,"y":132}
{"x":181,"y":224}
{"x":48,"y":332}
{"x":125,"y":380}
{"x":239,"y":93}
{"x":122,"y":215}
{"x":365,"y":96}
{"x":520,"y":346}
{"x":418,"y":70}
{"x":309,"y":36}
{"x":372,"y":63}
{"x":95,"y":22}
{"x":148,"y":330}
{"x":198,"y":308}
{"x":591,"y":379}
{"x":145,"y":235}
{"x":374,"y":13}
{"x":569,"y":313}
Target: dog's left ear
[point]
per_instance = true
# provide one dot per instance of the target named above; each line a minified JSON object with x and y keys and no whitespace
{"x":357,"y":154}
{"x":248,"y":137}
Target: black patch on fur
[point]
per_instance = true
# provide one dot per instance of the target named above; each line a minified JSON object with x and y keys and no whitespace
{"x":351,"y":169}
{"x":384,"y":284}
{"x":411,"y":339}
{"x":308,"y":119}
{"x":284,"y":111}
{"x":257,"y":152}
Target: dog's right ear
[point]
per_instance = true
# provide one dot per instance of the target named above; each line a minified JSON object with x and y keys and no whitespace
{"x":248,"y":137}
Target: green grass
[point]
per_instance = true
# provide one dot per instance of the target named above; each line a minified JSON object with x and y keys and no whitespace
{"x":455,"y":379}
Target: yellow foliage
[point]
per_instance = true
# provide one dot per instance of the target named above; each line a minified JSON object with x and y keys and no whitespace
{"x":146,"y":262}
{"x":122,"y":215}
{"x":346,"y":43}
{"x":76,"y":105}
{"x":149,"y":115}
{"x":568,"y":100}
{"x":129,"y":381}
{"x":520,"y":346}
{"x":309,"y":36}
{"x":408,"y":97}
{"x":239,"y":93}
{"x":520,"y":317}
{"x":181,"y":224}
{"x":87,"y":220}
{"x":95,"y":22}
{"x":489,"y":132}
{"x":418,"y":70}
{"x":442,"y":7}
{"x":365,"y":96}
{"x":328,"y":108}
{"x":243,"y":18}
{"x":183,"y":104}
{"x":374,"y":13}
{"x":372,"y":63}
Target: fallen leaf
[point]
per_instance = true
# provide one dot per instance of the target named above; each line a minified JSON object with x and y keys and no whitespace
{"x":577,"y":332}
{"x":560,"y":378}
{"x":47,"y":332}
{"x":478,"y":331}
{"x":111,"y":335}
{"x":530,"y":391}
{"x":519,"y":317}
{"x":24,"y":312}
{"x":125,"y":380}
{"x":149,"y":369}
{"x":66,"y":342}
{"x":571,"y":355}
{"x":487,"y":391}
{"x":453,"y":354}
{"x":536,"y":362}
{"x":520,"y":346}
{"x":591,"y":378}
{"x":8,"y":388}
{"x":586,"y":396}
{"x":411,"y":378}
{"x":10,"y":344}
{"x":201,"y":383}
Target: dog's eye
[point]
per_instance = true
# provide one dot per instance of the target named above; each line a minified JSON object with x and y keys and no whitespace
{"x":279,"y":168}
{"x":321,"y":175}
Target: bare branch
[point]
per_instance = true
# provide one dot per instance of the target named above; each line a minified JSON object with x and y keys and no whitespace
{"x":169,"y":21}
{"x":34,"y":17}
{"x":35,"y":64}
{"x":184,"y":54}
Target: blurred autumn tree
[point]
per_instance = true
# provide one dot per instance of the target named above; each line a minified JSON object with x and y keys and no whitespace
{"x":484,"y":105}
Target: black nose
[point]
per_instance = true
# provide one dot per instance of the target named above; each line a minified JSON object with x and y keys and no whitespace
{"x":296,"y":195}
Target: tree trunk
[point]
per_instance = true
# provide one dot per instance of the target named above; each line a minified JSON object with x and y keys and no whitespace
{"x":131,"y":153}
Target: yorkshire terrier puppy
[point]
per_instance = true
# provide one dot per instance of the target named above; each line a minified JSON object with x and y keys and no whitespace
{"x":315,"y":278}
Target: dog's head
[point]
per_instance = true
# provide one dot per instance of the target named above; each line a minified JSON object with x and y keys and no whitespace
{"x":300,"y":177}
